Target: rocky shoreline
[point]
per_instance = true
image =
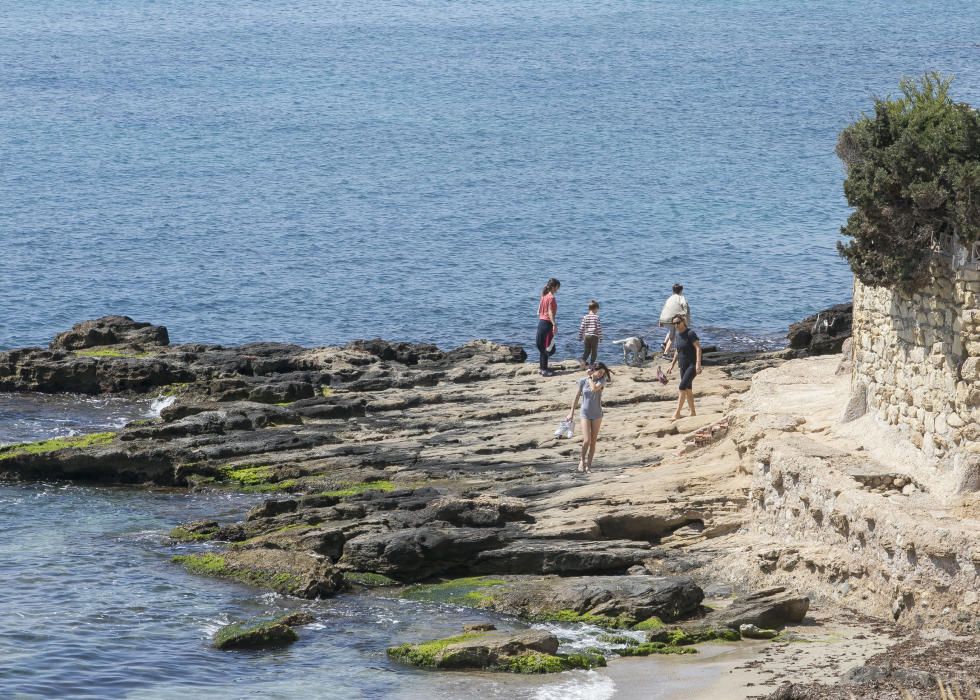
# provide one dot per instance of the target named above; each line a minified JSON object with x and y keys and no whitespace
{"x":401,"y":469}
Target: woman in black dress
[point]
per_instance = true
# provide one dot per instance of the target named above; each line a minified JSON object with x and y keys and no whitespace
{"x":687,"y":353}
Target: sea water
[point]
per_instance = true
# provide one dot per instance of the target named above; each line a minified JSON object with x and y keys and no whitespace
{"x":314,"y":171}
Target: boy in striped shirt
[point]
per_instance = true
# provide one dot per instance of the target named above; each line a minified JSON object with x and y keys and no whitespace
{"x":590,"y":331}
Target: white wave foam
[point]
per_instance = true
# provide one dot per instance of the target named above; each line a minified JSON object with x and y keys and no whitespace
{"x":579,"y":685}
{"x":160,"y":403}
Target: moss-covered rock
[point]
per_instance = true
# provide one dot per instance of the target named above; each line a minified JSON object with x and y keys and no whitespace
{"x":255,"y":635}
{"x":571,"y":616}
{"x":368,"y":579}
{"x":651,"y":623}
{"x":677,"y":636}
{"x":620,"y":639}
{"x":536,"y":662}
{"x":648,"y":648}
{"x":470,"y":591}
{"x":348,"y":490}
{"x":198,"y":531}
{"x":55,"y":444}
{"x":530,"y":651}
{"x":290,"y":573}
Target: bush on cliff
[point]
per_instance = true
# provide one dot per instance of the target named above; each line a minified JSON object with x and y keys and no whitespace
{"x":913,"y":174}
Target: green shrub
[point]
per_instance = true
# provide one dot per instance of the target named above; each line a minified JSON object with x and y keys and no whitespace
{"x":913,"y":173}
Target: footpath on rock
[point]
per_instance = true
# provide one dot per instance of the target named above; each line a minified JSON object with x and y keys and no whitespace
{"x":403,"y":469}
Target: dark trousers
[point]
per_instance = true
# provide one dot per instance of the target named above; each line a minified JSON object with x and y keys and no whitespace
{"x":544,"y":329}
{"x":688,"y":373}
{"x":591,"y":351}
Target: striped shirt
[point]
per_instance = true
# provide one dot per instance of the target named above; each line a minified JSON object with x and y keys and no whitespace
{"x":590,"y":325}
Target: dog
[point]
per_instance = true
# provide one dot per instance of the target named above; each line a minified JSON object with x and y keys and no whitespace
{"x":635,"y":350}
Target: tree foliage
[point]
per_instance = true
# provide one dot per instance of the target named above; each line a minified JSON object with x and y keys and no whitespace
{"x":913,"y":173}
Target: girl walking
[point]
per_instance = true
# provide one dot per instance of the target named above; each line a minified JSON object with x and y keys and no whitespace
{"x":590,"y":389}
{"x":590,"y":333}
{"x":687,"y":348}
{"x":547,"y":327}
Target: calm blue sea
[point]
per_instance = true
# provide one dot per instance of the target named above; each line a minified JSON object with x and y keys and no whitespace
{"x":318,"y":170}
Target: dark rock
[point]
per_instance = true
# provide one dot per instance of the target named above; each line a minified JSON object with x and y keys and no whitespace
{"x":259,"y":635}
{"x":823,"y":333}
{"x":297,"y":618}
{"x":488,"y":352}
{"x":643,"y":526}
{"x":484,"y":511}
{"x":110,"y":330}
{"x":414,"y":554}
{"x":903,"y":677}
{"x":272,"y":508}
{"x":282,"y":392}
{"x":635,"y":597}
{"x":567,"y":557}
{"x":768,"y":609}
{"x":479,"y":627}
{"x":331,"y":407}
{"x":405,"y":353}
{"x":290,"y":573}
{"x":488,"y":650}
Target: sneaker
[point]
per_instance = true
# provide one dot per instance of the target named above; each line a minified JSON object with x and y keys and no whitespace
{"x":547,"y":373}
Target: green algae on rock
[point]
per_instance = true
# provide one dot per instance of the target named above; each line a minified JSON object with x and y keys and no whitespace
{"x":368,"y":579}
{"x":55,"y":444}
{"x":528,"y":651}
{"x":289,"y":573}
{"x":620,"y":639}
{"x":651,"y":623}
{"x":254,"y":636}
{"x":198,"y":531}
{"x":571,"y":616}
{"x":648,"y":648}
{"x":469,"y":591}
{"x":357,"y":489}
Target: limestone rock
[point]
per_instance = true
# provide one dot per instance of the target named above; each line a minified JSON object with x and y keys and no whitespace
{"x":767,"y":609}
{"x":634,"y":597}
{"x":753,"y":632}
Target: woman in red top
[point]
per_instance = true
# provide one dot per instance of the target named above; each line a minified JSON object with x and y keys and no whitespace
{"x":547,"y":327}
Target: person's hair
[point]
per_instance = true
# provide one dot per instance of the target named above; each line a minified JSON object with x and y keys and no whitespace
{"x":678,"y":317}
{"x":593,"y":305}
{"x":678,"y":288}
{"x":550,"y":286}
{"x":605,"y":370}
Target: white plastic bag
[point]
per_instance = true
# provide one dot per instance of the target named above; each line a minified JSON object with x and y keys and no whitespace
{"x":564,"y":430}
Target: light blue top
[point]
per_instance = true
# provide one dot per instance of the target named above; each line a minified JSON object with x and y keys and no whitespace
{"x":591,"y":400}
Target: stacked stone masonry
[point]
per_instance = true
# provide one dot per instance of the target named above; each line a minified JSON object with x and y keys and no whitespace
{"x":917,"y":357}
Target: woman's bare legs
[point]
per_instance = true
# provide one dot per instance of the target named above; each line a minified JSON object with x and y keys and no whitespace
{"x":593,"y":436}
{"x":586,"y":441}
{"x":685,"y":396}
{"x":680,"y":404}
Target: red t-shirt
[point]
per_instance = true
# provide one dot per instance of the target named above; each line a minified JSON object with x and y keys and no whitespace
{"x":547,"y":302}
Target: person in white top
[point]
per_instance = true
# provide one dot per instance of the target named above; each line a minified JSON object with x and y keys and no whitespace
{"x":674,"y":306}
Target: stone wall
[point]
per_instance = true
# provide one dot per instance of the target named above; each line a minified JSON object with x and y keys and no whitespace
{"x":917,"y":360}
{"x":829,"y":532}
